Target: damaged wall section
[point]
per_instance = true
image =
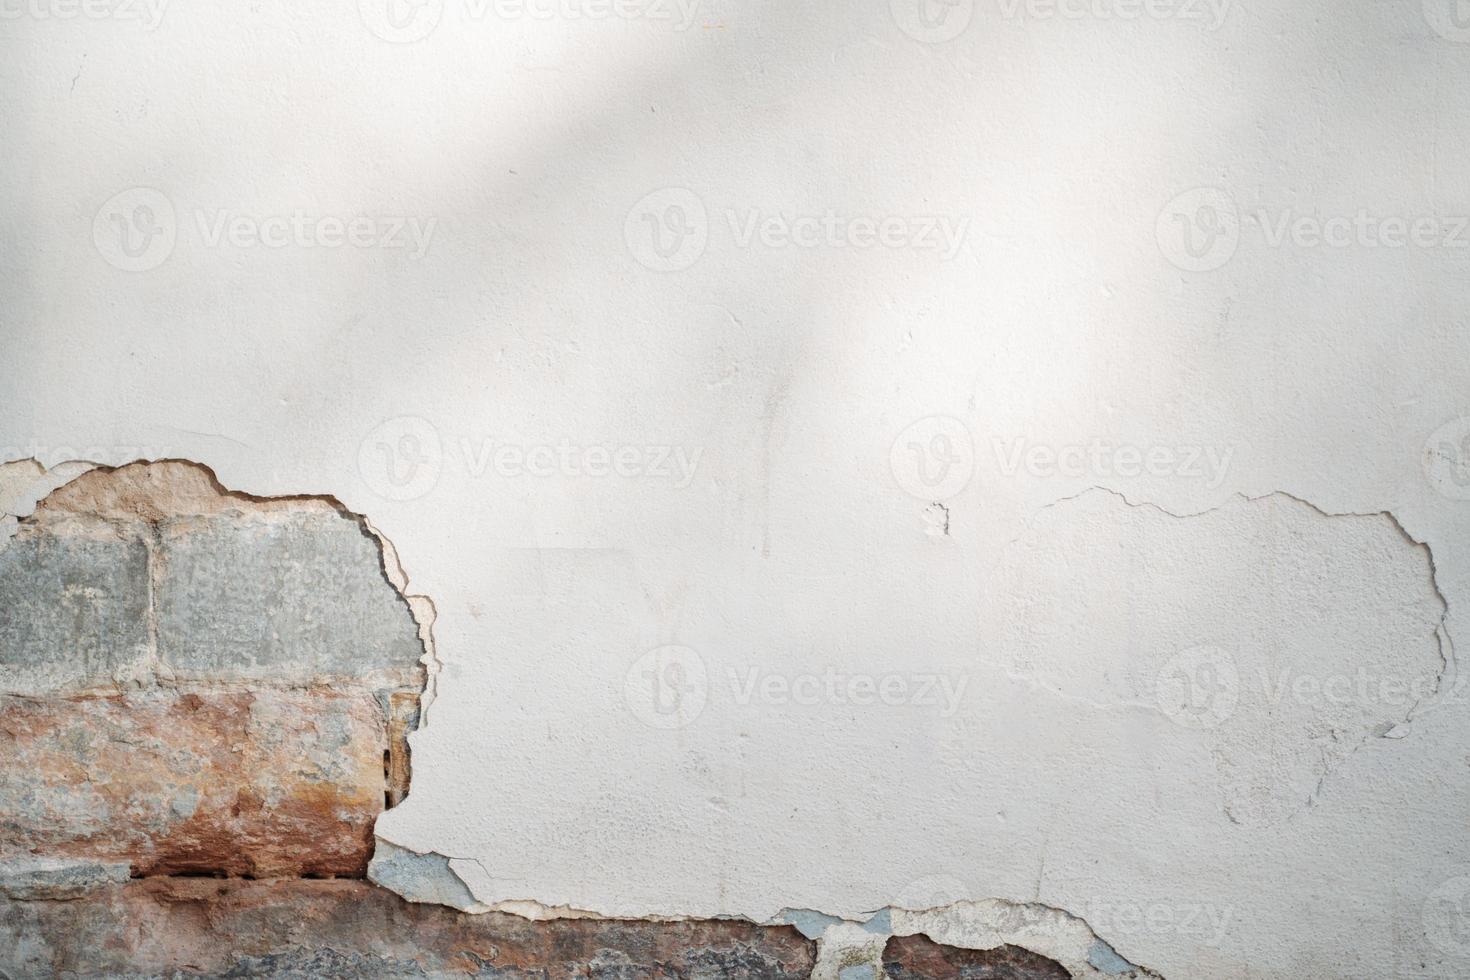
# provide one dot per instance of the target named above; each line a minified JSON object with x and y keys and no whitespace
{"x":205,"y":702}
{"x":199,"y":682}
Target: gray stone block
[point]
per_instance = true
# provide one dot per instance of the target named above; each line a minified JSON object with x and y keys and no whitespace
{"x":58,"y":879}
{"x":73,"y":608}
{"x":284,"y":597}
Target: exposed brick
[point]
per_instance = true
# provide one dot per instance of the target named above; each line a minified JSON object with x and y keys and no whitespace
{"x":348,"y":929}
{"x":239,"y":782}
{"x":212,"y":683}
{"x":920,"y":958}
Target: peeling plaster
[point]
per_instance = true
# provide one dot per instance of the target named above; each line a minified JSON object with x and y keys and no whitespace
{"x":845,"y":947}
{"x":847,"y":951}
{"x":1298,"y":841}
{"x":425,"y":878}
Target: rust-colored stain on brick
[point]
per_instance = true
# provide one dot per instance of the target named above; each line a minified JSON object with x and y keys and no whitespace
{"x":230,"y":782}
{"x":920,"y":958}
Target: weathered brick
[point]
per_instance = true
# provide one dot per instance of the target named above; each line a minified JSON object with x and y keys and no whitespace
{"x":282,"y":597}
{"x":920,"y":958}
{"x":73,"y":607}
{"x":350,"y":929}
{"x":215,"y":781}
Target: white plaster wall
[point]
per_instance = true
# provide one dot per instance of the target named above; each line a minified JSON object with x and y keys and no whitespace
{"x":784,"y":413}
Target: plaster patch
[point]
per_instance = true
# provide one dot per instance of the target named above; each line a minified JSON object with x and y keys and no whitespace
{"x":424,"y":878}
{"x":847,"y":951}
